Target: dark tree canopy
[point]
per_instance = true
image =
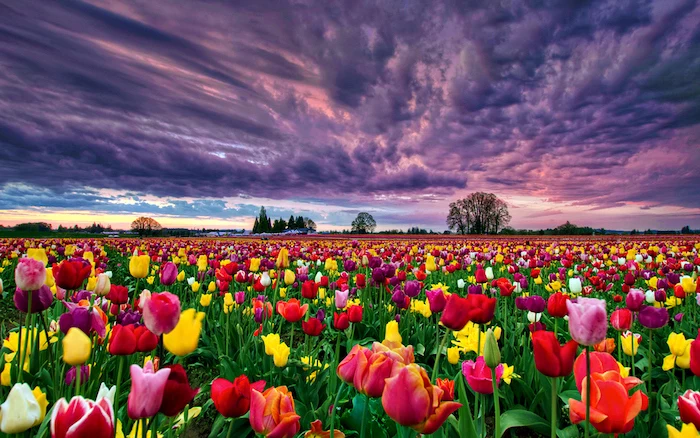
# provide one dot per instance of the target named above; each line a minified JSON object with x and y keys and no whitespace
{"x":478,"y":213}
{"x":364,"y":223}
{"x":145,"y":225}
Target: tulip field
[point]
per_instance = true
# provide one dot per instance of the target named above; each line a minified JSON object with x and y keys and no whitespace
{"x":371,"y":336}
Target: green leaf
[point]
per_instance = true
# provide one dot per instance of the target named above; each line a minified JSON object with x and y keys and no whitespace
{"x":570,"y":393}
{"x":568,"y":432}
{"x":523,"y":418}
{"x":466,"y":422}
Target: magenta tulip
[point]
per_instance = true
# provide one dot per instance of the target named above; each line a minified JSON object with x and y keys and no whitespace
{"x":478,"y":375}
{"x":161,"y":311}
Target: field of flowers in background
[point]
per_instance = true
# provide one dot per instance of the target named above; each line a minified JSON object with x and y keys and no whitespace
{"x":373,"y":337}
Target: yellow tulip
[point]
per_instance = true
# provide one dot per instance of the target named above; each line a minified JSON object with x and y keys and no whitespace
{"x":499,"y":258}
{"x":271,"y":341}
{"x":280,"y":355}
{"x":184,"y":338}
{"x":430,"y":263}
{"x":5,"y":379}
{"x":92,"y":282}
{"x":680,"y":352}
{"x":195,"y":286}
{"x":289,"y":277}
{"x":254,"y":265}
{"x":205,"y":300}
{"x":42,"y":402}
{"x":283,"y":259}
{"x":76,"y":347}
{"x":392,"y":333}
{"x":627,"y":340}
{"x":89,"y":256}
{"x":181,"y":276}
{"x":38,"y":254}
{"x":211,"y":287}
{"x":139,"y":266}
{"x":688,"y":284}
{"x":538,"y":280}
{"x":453,"y":355}
{"x":283,"y":292}
{"x":50,"y":281}
{"x":228,"y":302}
{"x":653,"y":281}
{"x":687,"y":431}
{"x":202,"y":263}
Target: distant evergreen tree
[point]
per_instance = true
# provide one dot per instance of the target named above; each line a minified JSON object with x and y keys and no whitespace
{"x":269,"y":225}
{"x":256,"y":227}
{"x":291,"y":223}
{"x":299,"y":222}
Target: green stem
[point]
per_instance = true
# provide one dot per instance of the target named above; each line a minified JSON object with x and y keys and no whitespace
{"x":554,"y":407}
{"x":336,"y":361}
{"x":588,"y":391}
{"x":649,"y":376}
{"x":27,"y":333}
{"x":496,"y":405}
{"x":78,"y":373}
{"x":335,"y":406}
{"x":483,"y":416}
{"x":120,"y":373}
{"x":291,"y":338}
{"x":438,"y":354}
{"x":230,"y":428}
{"x":619,"y":346}
{"x":364,"y":417}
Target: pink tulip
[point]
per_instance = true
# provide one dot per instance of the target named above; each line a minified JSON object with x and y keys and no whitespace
{"x":689,"y":407}
{"x":478,"y":375}
{"x":411,"y":400}
{"x":81,"y":418}
{"x":147,"y":387}
{"x":588,"y":321}
{"x":30,"y":274}
{"x":161,"y":311}
{"x":341,"y":298}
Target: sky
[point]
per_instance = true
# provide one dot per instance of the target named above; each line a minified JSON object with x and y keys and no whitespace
{"x":198,"y":113}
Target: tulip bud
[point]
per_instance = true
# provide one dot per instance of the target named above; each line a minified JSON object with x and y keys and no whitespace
{"x":103,"y":285}
{"x":492,"y":355}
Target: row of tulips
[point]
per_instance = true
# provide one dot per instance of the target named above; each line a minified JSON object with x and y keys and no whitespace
{"x":348,"y":337}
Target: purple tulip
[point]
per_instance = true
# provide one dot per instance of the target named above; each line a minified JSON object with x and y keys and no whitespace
{"x":588,"y":320}
{"x":673,"y":278}
{"x":634,"y":300}
{"x":129,"y":317}
{"x":536,"y":304}
{"x":660,"y":295}
{"x":375,"y":262}
{"x":653,"y":317}
{"x":389,"y":270}
{"x":378,"y":276}
{"x":398,"y":297}
{"x":521,"y":303}
{"x":41,"y":299}
{"x":474,"y":289}
{"x":350,"y":265}
{"x":84,"y":318}
{"x":258,"y":315}
{"x":412,"y":288}
{"x":84,"y":375}
{"x":321,"y":314}
{"x":678,"y":317}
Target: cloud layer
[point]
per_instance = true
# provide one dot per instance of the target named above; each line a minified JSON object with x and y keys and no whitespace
{"x":396,"y":106}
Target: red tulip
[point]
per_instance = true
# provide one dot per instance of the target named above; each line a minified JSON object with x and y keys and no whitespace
{"x":689,"y":407}
{"x":309,"y":289}
{"x":118,"y":294}
{"x":232,"y":399}
{"x":355,"y":314}
{"x":505,"y":286}
{"x":448,"y":388}
{"x":613,"y":410}
{"x":360,"y":281}
{"x":480,"y":308}
{"x":552,"y":359}
{"x":600,"y":363}
{"x":272,"y":413}
{"x":81,"y":418}
{"x":480,"y":276}
{"x":621,"y":319}
{"x":455,"y":315}
{"x":291,"y":310}
{"x":178,"y":392}
{"x":411,"y":400}
{"x":313,"y":326}
{"x":695,"y":356}
{"x":70,"y":274}
{"x":122,"y":341}
{"x":341,"y":320}
{"x":556,"y":305}
{"x":479,"y":376}
{"x":146,"y":340}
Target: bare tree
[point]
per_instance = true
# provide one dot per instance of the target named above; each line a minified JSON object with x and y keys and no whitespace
{"x":145,"y":225}
{"x":478,"y":213}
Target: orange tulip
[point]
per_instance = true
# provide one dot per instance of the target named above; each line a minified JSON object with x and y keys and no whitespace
{"x":613,"y":410}
{"x":411,"y":400}
{"x":607,"y":346}
{"x":272,"y":413}
{"x":291,"y":310}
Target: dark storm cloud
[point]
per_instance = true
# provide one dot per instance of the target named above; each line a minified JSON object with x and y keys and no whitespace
{"x":590,"y":103}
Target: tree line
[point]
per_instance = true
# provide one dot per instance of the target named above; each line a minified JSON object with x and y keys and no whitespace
{"x":264,"y":224}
